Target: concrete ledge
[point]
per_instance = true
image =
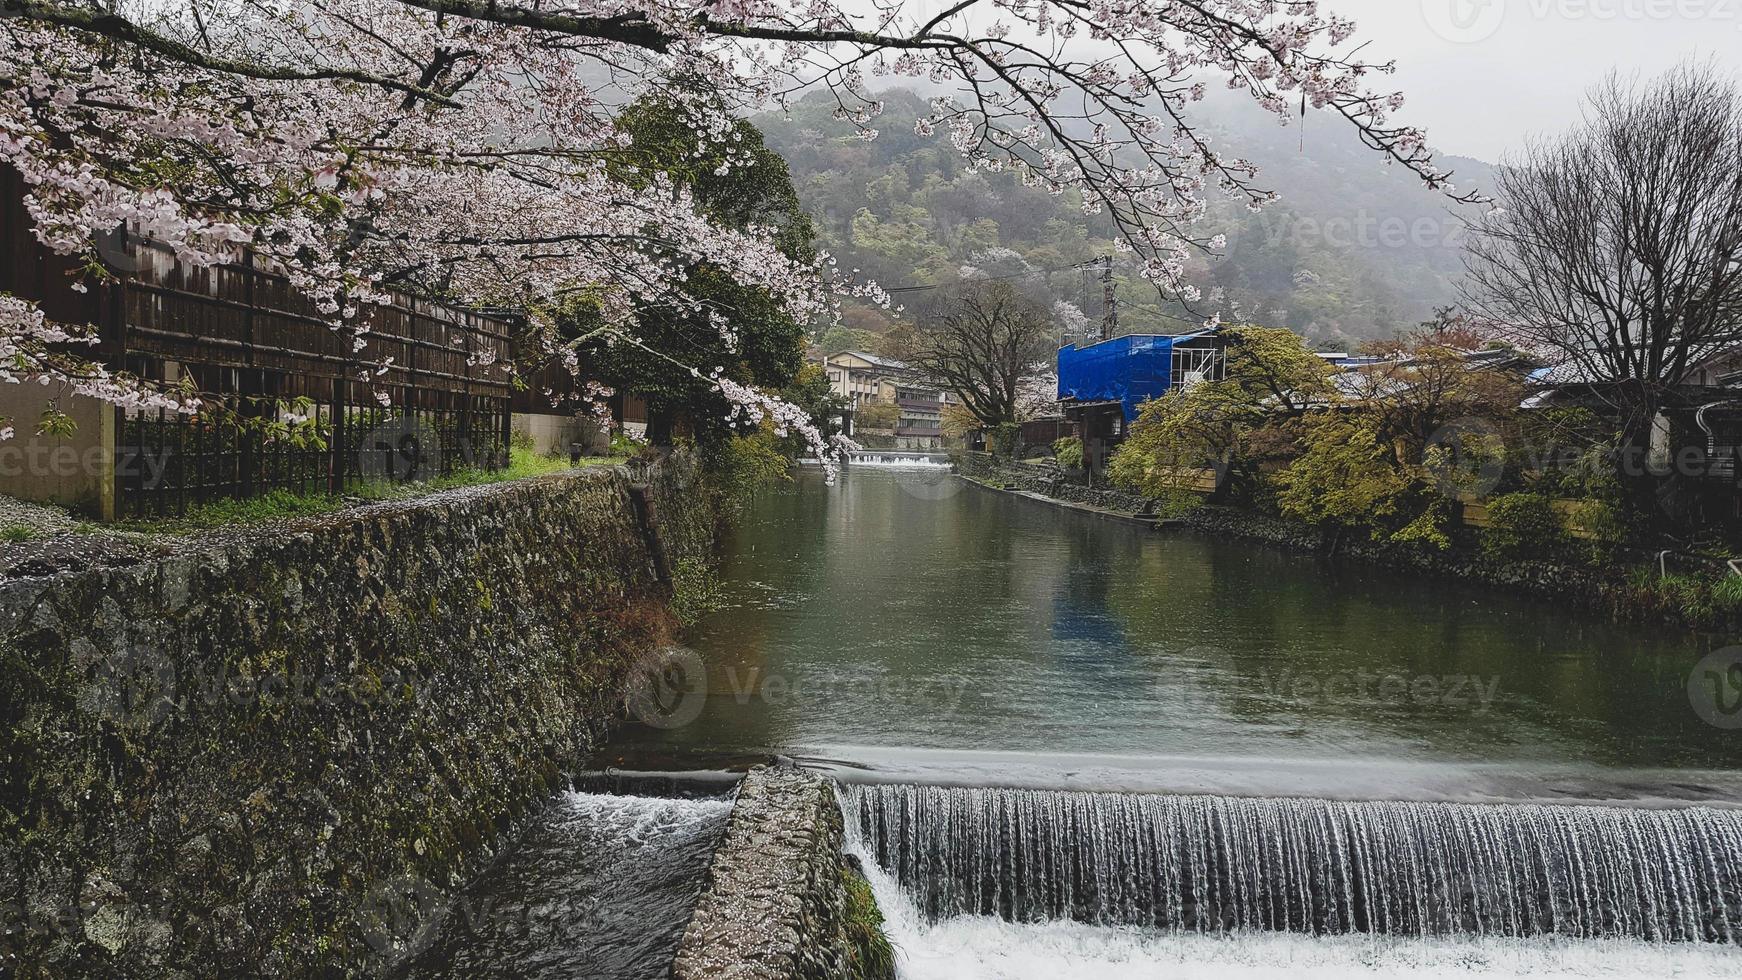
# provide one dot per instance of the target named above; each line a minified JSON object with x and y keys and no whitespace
{"x":773,"y":905}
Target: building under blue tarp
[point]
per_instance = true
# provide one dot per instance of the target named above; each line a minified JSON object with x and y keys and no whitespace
{"x":1129,"y":370}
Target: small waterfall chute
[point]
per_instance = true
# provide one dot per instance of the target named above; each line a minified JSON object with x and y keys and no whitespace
{"x":1208,"y":864}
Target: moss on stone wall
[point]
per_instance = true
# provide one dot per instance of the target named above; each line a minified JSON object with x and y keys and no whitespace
{"x":276,"y":751}
{"x":870,"y":956}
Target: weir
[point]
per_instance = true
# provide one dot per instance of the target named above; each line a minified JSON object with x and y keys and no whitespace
{"x":895,"y":459}
{"x":1214,"y":864}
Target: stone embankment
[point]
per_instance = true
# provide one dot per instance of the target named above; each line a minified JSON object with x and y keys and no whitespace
{"x":777,"y":902}
{"x":1604,"y":588}
{"x":269,"y":752}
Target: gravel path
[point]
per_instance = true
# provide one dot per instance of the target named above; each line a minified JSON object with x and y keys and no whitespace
{"x":38,"y":518}
{"x":56,"y":543}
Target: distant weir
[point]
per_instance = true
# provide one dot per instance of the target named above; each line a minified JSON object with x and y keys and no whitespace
{"x":1220,"y":864}
{"x":894,"y":459}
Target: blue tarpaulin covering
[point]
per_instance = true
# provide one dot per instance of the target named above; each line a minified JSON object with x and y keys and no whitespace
{"x":1130,"y":370}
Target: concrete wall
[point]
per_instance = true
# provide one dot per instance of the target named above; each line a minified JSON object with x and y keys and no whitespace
{"x":77,"y":471}
{"x":274,"y":752}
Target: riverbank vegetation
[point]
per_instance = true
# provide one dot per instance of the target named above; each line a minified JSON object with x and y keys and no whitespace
{"x":523,"y":463}
{"x":870,"y":955}
{"x":1424,"y":450}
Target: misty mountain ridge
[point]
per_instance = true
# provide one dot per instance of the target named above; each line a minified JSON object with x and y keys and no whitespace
{"x":1355,"y":249}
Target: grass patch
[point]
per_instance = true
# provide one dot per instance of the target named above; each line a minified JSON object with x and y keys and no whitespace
{"x":870,"y":955}
{"x":282,"y":504}
{"x":1693,"y":597}
{"x":15,"y":533}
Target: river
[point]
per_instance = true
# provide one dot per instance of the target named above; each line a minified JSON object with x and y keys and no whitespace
{"x":910,"y":625}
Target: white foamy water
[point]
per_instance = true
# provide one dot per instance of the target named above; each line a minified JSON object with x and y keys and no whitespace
{"x":985,"y":948}
{"x":893,"y":459}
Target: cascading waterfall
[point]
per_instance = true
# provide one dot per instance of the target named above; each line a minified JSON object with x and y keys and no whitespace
{"x":1221,"y":864}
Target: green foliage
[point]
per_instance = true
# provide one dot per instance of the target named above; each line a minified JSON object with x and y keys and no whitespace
{"x":1570,"y":453}
{"x":1347,"y":477}
{"x":55,"y":423}
{"x":743,"y":465}
{"x":624,"y":445}
{"x":1523,"y":525}
{"x":1004,"y":439}
{"x":1344,"y":258}
{"x":877,"y":415}
{"x":1693,"y":598}
{"x":1344,"y":475}
{"x":870,"y":955}
{"x":1069,"y":452}
{"x":696,"y":591}
{"x":1241,"y":422}
{"x":837,"y":339}
{"x":15,"y":533}
{"x":810,"y":390}
{"x":755,"y":189}
{"x":1606,"y":531}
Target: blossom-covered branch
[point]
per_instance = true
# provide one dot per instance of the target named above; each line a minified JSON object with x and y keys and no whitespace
{"x":465,"y":148}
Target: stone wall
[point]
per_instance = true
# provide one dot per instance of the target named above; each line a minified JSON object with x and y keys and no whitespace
{"x":1046,"y":480}
{"x":1603,"y":588}
{"x":273,"y":752}
{"x":774,"y":905}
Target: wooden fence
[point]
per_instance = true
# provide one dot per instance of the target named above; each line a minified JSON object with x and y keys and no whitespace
{"x":253,"y":345}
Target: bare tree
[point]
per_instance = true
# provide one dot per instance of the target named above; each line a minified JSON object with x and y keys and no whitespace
{"x":985,"y":342}
{"x":1617,"y":249}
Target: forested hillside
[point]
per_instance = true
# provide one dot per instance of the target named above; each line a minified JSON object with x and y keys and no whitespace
{"x":1354,"y":249}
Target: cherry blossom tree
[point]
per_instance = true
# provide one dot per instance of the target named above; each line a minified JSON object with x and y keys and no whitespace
{"x":463,"y":148}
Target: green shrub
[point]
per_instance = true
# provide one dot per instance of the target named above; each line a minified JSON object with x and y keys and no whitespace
{"x":1069,"y":452}
{"x":1602,"y":523}
{"x":1523,"y":525}
{"x":1004,"y":439}
{"x":742,"y":465}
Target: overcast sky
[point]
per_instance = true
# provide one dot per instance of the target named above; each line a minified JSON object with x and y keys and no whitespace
{"x":1483,"y":75}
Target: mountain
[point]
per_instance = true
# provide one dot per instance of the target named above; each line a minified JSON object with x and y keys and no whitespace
{"x":1354,"y":249}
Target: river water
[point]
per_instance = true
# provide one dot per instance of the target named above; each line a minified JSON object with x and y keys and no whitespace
{"x":910,"y":625}
{"x":1073,"y":747}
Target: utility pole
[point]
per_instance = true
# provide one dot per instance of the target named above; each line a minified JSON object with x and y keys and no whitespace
{"x":1109,"y":302}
